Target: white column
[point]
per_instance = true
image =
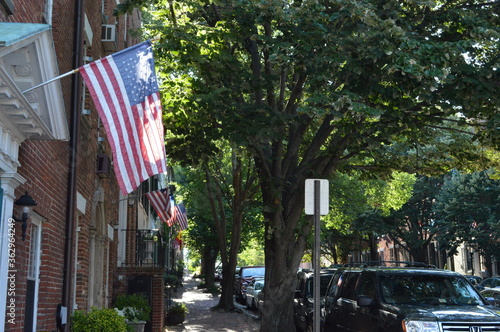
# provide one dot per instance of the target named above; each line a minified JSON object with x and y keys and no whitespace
{"x":10,"y":181}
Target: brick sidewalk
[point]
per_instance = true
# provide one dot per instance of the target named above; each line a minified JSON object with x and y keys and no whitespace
{"x":200,"y":318}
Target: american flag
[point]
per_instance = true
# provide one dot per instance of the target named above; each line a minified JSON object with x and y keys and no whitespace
{"x":125,"y":91}
{"x":160,"y":200}
{"x":179,"y":216}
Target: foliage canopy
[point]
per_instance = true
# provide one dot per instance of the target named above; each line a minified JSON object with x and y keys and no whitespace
{"x":309,"y":87}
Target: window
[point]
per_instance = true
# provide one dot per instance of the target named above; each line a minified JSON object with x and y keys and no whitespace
{"x":334,"y":285}
{"x":348,"y":289}
{"x":427,"y":289}
{"x":367,"y":286}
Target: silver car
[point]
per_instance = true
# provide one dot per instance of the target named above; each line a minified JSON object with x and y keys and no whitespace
{"x":253,"y":290}
{"x":492,"y":295}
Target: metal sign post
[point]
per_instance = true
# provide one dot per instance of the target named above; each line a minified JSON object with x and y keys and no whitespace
{"x":318,"y":205}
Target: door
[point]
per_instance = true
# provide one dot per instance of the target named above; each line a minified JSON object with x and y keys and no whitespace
{"x":368,"y":318}
{"x":142,"y":286}
{"x":33,"y":277}
{"x":346,"y":303}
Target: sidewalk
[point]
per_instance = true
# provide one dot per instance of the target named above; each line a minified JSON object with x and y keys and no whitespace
{"x":200,"y":318}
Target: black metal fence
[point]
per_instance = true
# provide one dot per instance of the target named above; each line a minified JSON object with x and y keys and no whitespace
{"x":144,"y":248}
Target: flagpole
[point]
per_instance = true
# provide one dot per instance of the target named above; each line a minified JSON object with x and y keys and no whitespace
{"x":52,"y":80}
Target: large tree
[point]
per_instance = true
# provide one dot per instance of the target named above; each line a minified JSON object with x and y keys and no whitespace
{"x":352,"y":197}
{"x":306,"y":86}
{"x":221,"y":193}
{"x":411,"y":226}
{"x":468,"y":211}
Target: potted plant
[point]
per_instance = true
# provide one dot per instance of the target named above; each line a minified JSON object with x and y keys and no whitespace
{"x":135,"y":308}
{"x":171,"y":280}
{"x":176,"y":314}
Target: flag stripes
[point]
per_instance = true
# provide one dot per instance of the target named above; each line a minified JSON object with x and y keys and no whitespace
{"x":179,"y":216}
{"x":124,"y":89}
{"x":160,"y":200}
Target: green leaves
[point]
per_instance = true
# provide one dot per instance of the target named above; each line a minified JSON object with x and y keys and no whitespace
{"x":467,"y":210}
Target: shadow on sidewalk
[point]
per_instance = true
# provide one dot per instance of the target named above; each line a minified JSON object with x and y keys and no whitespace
{"x":200,"y":318}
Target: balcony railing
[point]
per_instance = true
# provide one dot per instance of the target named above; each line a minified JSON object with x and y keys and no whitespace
{"x":144,"y":248}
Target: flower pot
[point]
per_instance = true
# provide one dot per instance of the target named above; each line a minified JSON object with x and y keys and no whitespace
{"x":175,"y":318}
{"x":137,"y":326}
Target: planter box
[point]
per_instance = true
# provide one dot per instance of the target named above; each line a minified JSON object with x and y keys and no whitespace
{"x":175,"y":318}
{"x":137,"y":327}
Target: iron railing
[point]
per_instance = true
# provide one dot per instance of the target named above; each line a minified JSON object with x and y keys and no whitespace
{"x":144,"y":248}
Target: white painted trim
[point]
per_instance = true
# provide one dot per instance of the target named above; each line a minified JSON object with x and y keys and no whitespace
{"x":37,"y":220}
{"x":122,"y":226}
{"x":10,"y":181}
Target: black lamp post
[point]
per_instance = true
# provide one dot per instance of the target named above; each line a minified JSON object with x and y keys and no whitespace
{"x":25,"y":202}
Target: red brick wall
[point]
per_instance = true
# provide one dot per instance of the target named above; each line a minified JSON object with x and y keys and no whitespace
{"x":45,"y":166}
{"x":158,"y":285}
{"x":24,"y":11}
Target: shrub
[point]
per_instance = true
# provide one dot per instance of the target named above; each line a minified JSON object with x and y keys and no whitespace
{"x":138,"y":302}
{"x":171,"y":280}
{"x":179,"y":308}
{"x":98,"y":320}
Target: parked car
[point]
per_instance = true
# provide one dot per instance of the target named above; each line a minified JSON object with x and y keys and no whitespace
{"x":252,"y":293}
{"x":492,"y":295}
{"x":246,"y":275}
{"x":397,"y":299}
{"x":218,"y":274}
{"x":475,"y":281}
{"x":304,"y":298}
{"x":260,"y":301}
{"x":492,"y":282}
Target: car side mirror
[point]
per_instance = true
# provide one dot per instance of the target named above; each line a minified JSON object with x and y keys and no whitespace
{"x":364,"y":301}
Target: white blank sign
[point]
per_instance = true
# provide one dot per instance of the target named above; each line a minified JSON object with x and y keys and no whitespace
{"x":323,"y":196}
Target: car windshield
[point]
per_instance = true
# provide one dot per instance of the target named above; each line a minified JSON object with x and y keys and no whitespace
{"x":427,"y":289}
{"x":254,"y":272}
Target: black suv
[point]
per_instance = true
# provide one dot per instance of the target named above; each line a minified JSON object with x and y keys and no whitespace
{"x":304,"y":297}
{"x":405,"y":299}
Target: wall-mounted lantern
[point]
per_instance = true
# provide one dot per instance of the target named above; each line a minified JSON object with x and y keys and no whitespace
{"x":25,"y":202}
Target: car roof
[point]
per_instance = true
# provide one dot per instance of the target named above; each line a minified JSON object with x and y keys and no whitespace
{"x":310,"y":274}
{"x":408,"y":268}
{"x":495,"y":290}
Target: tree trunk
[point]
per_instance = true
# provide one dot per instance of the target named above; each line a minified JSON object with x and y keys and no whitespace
{"x":284,"y":251}
{"x":226,"y":299}
{"x":229,"y":257}
{"x":209,"y":263}
{"x":420,"y":254}
{"x":372,"y":241}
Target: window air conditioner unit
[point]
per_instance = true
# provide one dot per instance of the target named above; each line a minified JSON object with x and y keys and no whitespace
{"x":103,"y":165}
{"x":108,"y":37}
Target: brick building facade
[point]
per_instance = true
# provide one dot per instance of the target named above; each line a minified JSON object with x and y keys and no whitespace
{"x":53,"y":147}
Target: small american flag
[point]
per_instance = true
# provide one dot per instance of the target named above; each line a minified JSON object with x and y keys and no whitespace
{"x":160,"y":200}
{"x":179,"y":216}
{"x":182,"y":216}
{"x":125,"y":91}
